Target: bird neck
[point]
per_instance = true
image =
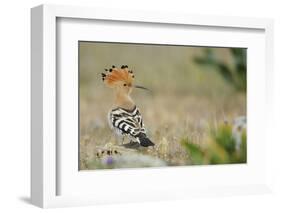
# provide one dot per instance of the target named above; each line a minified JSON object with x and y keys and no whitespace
{"x":123,"y":100}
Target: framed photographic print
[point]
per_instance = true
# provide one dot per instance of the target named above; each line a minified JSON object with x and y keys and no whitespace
{"x":130,"y":106}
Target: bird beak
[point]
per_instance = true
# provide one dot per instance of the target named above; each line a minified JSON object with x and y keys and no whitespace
{"x":141,"y":87}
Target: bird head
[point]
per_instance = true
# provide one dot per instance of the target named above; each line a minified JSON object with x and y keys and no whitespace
{"x":120,"y":79}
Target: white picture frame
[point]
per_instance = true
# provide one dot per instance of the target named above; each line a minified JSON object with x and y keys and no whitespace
{"x":45,"y":168}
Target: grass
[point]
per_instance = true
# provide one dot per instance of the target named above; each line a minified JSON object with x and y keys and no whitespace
{"x":176,"y":129}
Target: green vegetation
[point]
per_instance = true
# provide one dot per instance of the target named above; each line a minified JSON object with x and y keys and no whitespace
{"x":220,"y":147}
{"x":236,"y":75}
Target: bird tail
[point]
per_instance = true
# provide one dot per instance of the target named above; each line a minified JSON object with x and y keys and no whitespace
{"x":144,"y":140}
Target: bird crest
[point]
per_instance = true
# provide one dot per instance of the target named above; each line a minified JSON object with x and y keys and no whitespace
{"x":114,"y":76}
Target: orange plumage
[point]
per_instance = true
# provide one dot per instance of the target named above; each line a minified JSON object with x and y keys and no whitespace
{"x":115,"y":76}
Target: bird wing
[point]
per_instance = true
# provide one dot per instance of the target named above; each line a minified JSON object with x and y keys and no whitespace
{"x":127,"y":122}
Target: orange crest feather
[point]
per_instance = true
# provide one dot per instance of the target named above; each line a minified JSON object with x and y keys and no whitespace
{"x":114,"y":76}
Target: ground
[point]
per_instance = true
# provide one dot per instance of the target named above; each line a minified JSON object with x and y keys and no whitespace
{"x":168,"y":120}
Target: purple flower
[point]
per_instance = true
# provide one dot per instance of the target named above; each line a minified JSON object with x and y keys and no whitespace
{"x":109,"y":160}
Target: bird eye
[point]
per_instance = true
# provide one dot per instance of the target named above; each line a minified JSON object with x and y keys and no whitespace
{"x":124,"y":85}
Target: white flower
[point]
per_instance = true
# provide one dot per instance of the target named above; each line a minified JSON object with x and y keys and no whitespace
{"x":239,"y":124}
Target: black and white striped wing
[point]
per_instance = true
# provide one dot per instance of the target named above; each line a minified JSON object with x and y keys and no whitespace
{"x":126,"y":122}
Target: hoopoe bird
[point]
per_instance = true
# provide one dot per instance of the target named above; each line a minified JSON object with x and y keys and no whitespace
{"x":125,"y":118}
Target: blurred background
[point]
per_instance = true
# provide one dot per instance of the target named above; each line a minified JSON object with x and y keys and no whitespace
{"x":196,"y":113}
